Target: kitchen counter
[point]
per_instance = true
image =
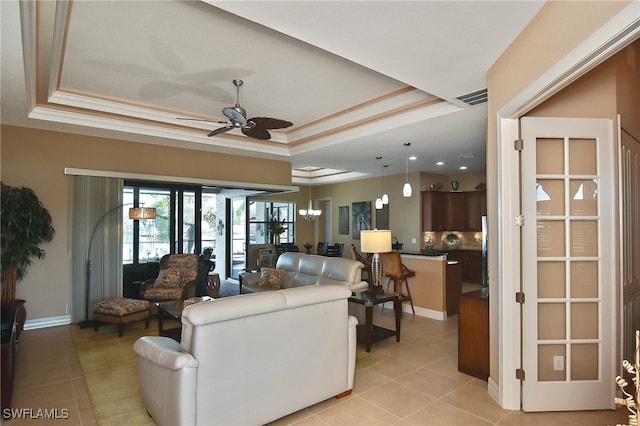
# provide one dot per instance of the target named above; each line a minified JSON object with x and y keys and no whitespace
{"x":437,"y":285}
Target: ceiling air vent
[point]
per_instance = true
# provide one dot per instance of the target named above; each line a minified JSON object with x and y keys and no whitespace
{"x":474,"y":98}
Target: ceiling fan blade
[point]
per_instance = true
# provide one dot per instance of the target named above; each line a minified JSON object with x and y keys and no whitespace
{"x":200,"y":119}
{"x":270,"y":123}
{"x":220,"y":130}
{"x":256,"y":132}
{"x":234,"y":115}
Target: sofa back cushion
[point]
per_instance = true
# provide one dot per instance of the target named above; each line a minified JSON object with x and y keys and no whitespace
{"x":303,"y":269}
{"x":345,"y":271}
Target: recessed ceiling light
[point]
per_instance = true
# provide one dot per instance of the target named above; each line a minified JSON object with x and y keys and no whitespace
{"x":440,"y":163}
{"x":463,"y":167}
{"x":413,"y":157}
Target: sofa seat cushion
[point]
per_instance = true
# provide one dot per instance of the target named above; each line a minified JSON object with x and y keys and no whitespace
{"x":156,"y":293}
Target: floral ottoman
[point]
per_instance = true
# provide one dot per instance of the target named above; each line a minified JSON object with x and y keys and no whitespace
{"x":120,"y":311}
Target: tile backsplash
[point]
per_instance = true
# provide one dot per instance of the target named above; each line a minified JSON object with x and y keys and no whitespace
{"x":466,"y":240}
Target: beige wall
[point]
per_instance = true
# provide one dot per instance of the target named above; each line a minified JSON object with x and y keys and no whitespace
{"x":37,"y":158}
{"x":558,"y":28}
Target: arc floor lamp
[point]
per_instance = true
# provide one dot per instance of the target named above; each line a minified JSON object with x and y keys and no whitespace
{"x":135,"y":213}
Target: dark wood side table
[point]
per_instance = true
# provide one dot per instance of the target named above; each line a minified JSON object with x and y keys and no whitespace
{"x":473,"y":333}
{"x":173,"y":309}
{"x":370,"y":333}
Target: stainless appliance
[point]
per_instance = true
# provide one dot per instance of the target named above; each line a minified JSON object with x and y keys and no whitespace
{"x":485,"y":268}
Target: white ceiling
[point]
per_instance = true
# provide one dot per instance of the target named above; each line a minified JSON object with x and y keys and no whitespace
{"x":357,"y":78}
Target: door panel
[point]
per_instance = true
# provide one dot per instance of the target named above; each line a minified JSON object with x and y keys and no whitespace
{"x":630,"y":240}
{"x":568,"y":264}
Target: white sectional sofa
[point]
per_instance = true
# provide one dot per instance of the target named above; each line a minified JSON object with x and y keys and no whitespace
{"x":297,"y":269}
{"x":251,"y":359}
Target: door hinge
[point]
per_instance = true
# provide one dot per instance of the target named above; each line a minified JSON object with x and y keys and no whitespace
{"x":519,"y":297}
{"x":520,"y":374}
{"x":519,"y":220}
{"x":518,"y":144}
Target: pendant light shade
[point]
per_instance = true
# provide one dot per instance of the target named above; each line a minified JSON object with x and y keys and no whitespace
{"x":385,"y":199}
{"x":379,"y":203}
{"x":407,"y":190}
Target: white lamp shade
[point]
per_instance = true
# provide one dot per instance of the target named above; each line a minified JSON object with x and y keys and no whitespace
{"x":385,"y":198}
{"x":375,"y":241}
{"x":407,"y":190}
{"x":379,"y":203}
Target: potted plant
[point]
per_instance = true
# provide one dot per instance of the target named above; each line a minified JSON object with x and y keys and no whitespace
{"x":25,"y":225}
{"x":276,"y":228}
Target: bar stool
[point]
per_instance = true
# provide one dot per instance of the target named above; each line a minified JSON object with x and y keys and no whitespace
{"x":397,"y":273}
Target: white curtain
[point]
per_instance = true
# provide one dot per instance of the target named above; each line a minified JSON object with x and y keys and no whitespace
{"x":97,"y":205}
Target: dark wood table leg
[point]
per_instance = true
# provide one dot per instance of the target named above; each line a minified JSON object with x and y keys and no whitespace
{"x":160,"y":319}
{"x":368,"y":327}
{"x":397,"y":307}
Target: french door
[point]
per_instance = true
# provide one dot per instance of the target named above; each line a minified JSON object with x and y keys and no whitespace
{"x":568,"y":264}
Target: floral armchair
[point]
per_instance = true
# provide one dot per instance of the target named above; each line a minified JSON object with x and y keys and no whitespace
{"x":180,"y":276}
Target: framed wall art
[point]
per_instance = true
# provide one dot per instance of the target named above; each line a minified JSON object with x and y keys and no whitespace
{"x":360,"y":218}
{"x":343,"y":220}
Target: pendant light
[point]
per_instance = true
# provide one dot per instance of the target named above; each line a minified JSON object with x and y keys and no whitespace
{"x":310,"y":214}
{"x":406,"y":189}
{"x":379,"y":202}
{"x":385,"y":196}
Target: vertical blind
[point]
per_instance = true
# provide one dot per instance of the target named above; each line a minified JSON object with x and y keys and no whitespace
{"x":95,"y":206}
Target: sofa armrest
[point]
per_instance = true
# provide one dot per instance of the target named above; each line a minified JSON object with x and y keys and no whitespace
{"x":164,"y":352}
{"x":353,"y":337}
{"x":362,"y":285}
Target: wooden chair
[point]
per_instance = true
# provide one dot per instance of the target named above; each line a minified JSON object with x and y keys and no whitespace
{"x":367,"y":275}
{"x":322,"y":248}
{"x":335,"y":250}
{"x":397,"y":273}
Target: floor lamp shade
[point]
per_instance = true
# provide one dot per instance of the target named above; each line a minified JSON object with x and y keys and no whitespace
{"x":138,"y":213}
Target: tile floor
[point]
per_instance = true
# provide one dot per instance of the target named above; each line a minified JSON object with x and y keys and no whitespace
{"x":414,"y":382}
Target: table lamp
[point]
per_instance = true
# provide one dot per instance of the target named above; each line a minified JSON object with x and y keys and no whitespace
{"x":375,"y":241}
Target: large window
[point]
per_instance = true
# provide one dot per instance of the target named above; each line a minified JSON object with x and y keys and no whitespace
{"x":185,"y":221}
{"x":266,"y":219}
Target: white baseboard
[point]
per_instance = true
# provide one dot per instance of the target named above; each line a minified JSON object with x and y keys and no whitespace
{"x":421,"y":312}
{"x":493,"y":389}
{"x":47,"y":322}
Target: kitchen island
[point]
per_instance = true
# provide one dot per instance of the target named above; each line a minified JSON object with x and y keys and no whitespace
{"x":437,"y":286}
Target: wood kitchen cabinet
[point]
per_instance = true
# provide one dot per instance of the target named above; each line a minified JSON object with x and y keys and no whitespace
{"x":457,"y":207}
{"x":453,"y":211}
{"x":435,"y":211}
{"x":473,"y":334}
{"x":474,"y":208}
{"x":471,"y":262}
